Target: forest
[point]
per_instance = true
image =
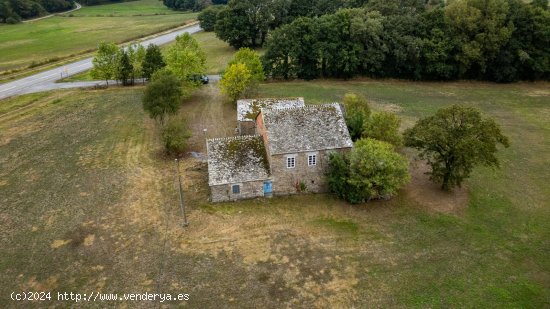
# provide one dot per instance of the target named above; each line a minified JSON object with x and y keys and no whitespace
{"x":495,"y":40}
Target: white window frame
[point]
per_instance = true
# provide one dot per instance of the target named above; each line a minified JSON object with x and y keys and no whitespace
{"x":287,"y":161}
{"x":315,"y":156}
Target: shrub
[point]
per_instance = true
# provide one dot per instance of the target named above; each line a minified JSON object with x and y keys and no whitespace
{"x":174,"y":136}
{"x":384,"y":126}
{"x":357,"y":114}
{"x":372,"y":170}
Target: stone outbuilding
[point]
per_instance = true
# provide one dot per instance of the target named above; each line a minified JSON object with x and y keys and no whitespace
{"x":288,"y":153}
{"x":248,"y":109}
{"x":237,"y":168}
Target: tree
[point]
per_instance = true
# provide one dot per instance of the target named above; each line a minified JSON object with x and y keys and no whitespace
{"x":372,"y":170}
{"x":454,"y":141}
{"x":357,"y":113}
{"x":245,"y":23}
{"x":124,"y":68}
{"x":105,"y":62}
{"x":235,"y":81}
{"x":208,"y":17}
{"x":482,"y":28}
{"x":251,"y":60}
{"x":185,"y":58}
{"x":152,"y":61}
{"x":162,"y":96}
{"x":136,"y":55}
{"x":383,"y":126}
{"x":175,"y":135}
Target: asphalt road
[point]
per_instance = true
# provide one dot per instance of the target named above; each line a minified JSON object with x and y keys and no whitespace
{"x":47,"y":80}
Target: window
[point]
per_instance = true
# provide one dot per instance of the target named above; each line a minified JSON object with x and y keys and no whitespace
{"x":312,"y":160}
{"x":236,"y":189}
{"x":290,"y":162}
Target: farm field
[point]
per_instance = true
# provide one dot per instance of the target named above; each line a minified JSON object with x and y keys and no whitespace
{"x":89,"y":202}
{"x":62,"y":36}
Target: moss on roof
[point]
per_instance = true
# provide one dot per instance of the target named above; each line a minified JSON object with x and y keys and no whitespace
{"x":237,"y":159}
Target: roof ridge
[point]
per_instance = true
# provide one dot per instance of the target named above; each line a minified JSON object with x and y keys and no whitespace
{"x":232,"y":138}
{"x":305,"y":107}
{"x":279,"y":98}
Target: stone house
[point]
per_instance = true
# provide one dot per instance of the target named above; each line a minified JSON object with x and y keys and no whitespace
{"x":287,"y":154}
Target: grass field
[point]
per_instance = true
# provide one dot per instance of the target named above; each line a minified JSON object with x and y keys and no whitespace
{"x":59,"y":37}
{"x":89,"y":203}
{"x":129,"y":8}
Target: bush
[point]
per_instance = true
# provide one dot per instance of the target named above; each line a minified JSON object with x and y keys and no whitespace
{"x":357,"y":114}
{"x":372,"y":170}
{"x":175,"y":135}
{"x":384,"y":126}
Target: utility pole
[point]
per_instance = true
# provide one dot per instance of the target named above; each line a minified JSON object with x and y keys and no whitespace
{"x":185,"y":223}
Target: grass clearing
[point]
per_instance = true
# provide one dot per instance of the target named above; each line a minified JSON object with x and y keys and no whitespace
{"x":128,"y":8}
{"x":218,"y":52}
{"x":59,"y":37}
{"x":88,"y":202}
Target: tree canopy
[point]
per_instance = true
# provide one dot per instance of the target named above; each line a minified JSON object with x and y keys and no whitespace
{"x":152,"y":61}
{"x":454,"y":141}
{"x":252,"y":61}
{"x":498,"y":40}
{"x":185,"y":58}
{"x":235,"y":81}
{"x":105,"y":62}
{"x":162,"y":95}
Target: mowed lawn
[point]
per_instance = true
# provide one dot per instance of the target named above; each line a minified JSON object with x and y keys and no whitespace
{"x":89,"y":203}
{"x":63,"y":36}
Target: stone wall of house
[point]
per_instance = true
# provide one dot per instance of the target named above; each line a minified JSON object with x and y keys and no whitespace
{"x":224,"y":193}
{"x":287,"y":180}
{"x":247,"y":128}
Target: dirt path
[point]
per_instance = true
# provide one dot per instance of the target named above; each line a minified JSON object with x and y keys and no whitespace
{"x":208,"y":110}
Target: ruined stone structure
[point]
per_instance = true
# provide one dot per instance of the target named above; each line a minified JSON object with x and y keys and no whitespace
{"x":288,"y":153}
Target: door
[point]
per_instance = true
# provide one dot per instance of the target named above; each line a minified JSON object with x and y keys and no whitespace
{"x":268,"y":188}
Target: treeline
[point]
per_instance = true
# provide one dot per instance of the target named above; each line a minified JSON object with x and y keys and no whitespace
{"x":246,"y":23}
{"x":191,"y":5}
{"x":13,"y":11}
{"x":497,"y":40}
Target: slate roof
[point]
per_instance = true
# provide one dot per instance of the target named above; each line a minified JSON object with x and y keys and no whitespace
{"x":307,"y":128}
{"x":248,"y":109}
{"x":236,"y":159}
